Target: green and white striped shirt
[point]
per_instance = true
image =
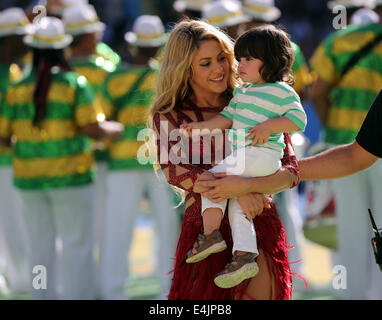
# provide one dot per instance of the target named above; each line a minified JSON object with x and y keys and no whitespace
{"x":253,"y":104}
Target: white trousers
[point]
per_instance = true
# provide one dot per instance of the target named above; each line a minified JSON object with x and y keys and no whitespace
{"x":354,"y":195}
{"x":248,"y":162}
{"x":64,"y":215}
{"x":99,"y":216}
{"x":13,"y":240}
{"x":126,"y":188}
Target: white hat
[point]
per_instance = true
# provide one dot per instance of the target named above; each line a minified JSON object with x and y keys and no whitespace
{"x":352,"y":3}
{"x":50,"y":34}
{"x":224,"y":13}
{"x":58,"y":9}
{"x":13,"y":21}
{"x":148,"y":31}
{"x":364,"y":16}
{"x":264,"y":10}
{"x":196,"y":5}
{"x":82,"y":19}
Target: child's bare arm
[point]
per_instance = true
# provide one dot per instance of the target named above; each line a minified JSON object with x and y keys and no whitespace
{"x":261,"y":132}
{"x":217,"y":122}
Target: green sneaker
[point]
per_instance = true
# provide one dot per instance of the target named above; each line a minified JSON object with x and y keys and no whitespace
{"x":205,"y":246}
{"x":240,"y":268}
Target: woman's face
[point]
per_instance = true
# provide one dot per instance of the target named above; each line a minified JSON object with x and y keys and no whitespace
{"x":211,"y":69}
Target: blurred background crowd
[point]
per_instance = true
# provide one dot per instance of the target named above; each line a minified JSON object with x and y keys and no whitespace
{"x":309,"y":212}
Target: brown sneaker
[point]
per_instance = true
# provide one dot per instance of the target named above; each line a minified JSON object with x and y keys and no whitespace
{"x":205,"y":246}
{"x":240,"y":268}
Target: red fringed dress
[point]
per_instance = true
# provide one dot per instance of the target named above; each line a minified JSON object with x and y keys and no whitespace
{"x":195,"y":281}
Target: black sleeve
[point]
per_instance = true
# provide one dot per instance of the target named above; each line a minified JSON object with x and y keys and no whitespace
{"x":370,"y":135}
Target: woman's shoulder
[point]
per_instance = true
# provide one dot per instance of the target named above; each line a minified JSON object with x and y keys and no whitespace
{"x":166,"y":114}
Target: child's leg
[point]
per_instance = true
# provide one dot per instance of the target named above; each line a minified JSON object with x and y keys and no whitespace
{"x":212,"y":213}
{"x":211,"y":241}
{"x":243,"y":264}
{"x":257,"y":162}
{"x":243,"y":230}
{"x":212,"y":218}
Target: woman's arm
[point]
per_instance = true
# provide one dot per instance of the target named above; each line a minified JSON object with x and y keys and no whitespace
{"x":226,"y":187}
{"x":233,"y":186}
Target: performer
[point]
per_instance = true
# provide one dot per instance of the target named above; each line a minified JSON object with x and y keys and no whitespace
{"x":128,"y":92}
{"x":226,"y":15}
{"x":190,"y":9}
{"x":49,"y":112}
{"x":195,"y":83}
{"x":83,"y":24}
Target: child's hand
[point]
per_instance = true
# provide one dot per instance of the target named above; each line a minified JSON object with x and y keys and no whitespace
{"x":186,"y":128}
{"x":259,"y":133}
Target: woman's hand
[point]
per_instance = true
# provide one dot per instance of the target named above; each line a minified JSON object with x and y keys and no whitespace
{"x":206,"y":176}
{"x":224,"y":187}
{"x":253,"y":204}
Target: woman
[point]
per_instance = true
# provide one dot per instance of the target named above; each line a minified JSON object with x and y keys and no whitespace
{"x":195,"y":83}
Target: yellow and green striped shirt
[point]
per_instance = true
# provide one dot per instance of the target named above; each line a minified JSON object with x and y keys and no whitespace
{"x":53,"y":154}
{"x":8,"y":74}
{"x":130,"y":109}
{"x":353,"y":94}
{"x":300,"y":69}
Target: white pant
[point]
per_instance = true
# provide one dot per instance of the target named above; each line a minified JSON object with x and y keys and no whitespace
{"x":64,"y":215}
{"x":249,"y":162}
{"x":13,"y":240}
{"x":354,"y":195}
{"x":126,"y":188}
{"x":99,"y":216}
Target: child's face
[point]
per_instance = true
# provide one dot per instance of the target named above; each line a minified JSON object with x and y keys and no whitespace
{"x":249,"y":69}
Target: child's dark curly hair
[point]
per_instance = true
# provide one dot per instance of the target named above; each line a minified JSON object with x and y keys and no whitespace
{"x":272,"y":46}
